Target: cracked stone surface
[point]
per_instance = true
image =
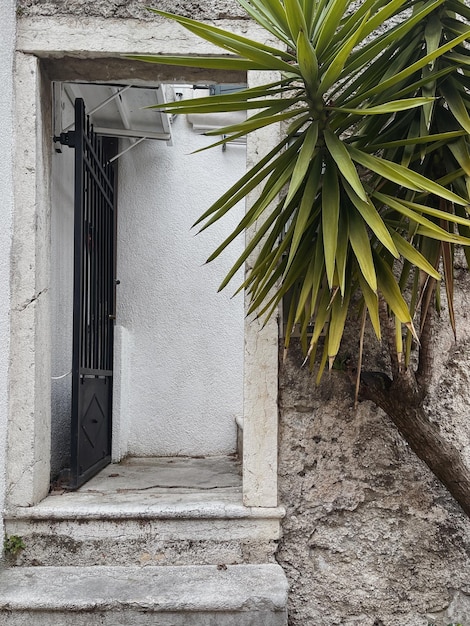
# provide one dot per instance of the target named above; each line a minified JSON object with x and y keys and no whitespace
{"x":173,"y":485}
{"x":181,"y":473}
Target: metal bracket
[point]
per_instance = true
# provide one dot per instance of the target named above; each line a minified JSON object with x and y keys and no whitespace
{"x":66,"y":139}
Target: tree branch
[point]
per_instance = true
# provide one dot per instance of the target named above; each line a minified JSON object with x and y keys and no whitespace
{"x":388,"y":329}
{"x":401,"y":399}
{"x":425,"y":358}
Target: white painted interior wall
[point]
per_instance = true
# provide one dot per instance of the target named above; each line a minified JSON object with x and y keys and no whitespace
{"x":179,"y":347}
{"x":185,"y":356}
{"x":7,"y":45}
{"x":62,"y":308}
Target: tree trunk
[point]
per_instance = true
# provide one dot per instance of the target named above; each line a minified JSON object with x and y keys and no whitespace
{"x":402,"y":400}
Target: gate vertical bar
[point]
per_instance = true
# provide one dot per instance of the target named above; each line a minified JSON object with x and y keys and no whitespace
{"x":79,"y":287}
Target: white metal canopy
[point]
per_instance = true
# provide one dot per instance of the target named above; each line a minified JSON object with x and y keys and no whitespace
{"x":116,"y":110}
{"x":124,"y":111}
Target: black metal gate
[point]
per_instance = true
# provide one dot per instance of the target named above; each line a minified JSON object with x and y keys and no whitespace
{"x":94,"y":297}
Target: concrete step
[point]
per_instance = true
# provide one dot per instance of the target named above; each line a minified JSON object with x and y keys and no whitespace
{"x":239,"y":595}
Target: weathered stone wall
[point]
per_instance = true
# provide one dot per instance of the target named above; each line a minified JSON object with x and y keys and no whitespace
{"x":371,"y":538}
{"x":7,"y":44}
{"x":213,"y":10}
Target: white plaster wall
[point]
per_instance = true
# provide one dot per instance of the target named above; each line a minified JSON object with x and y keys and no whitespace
{"x":62,"y":305}
{"x":7,"y":42}
{"x":185,"y":365}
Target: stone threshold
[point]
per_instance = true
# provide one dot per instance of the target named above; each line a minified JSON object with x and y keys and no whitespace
{"x":154,"y":488}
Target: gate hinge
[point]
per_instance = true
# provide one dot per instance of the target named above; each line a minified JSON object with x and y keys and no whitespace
{"x":66,"y":139}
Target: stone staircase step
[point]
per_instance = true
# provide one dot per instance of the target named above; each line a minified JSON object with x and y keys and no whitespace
{"x":176,"y":530}
{"x":196,"y":595}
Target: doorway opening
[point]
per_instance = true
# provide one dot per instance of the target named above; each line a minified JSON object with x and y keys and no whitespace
{"x":178,"y":345}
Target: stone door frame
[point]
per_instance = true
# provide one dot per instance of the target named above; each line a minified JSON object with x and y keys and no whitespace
{"x":91,"y":49}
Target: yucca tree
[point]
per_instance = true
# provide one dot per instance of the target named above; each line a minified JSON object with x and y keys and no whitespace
{"x":365,"y":198}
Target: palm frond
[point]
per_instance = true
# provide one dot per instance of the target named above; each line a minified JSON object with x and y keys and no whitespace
{"x":369,"y":188}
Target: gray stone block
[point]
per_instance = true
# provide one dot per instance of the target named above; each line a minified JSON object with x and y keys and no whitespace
{"x":239,"y":595}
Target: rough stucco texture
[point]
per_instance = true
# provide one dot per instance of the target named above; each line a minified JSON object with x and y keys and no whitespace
{"x":186,"y":361}
{"x":213,"y":10}
{"x":370,"y":536}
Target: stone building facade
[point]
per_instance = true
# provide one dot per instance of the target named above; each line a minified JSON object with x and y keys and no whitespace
{"x":369,"y":536}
